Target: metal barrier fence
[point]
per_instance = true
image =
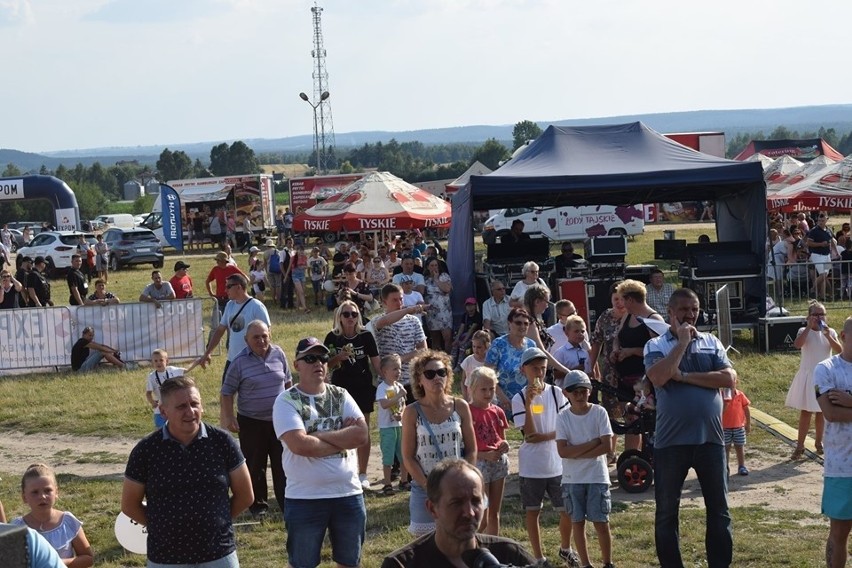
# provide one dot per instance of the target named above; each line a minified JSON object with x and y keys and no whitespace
{"x":33,"y":338}
{"x":791,"y":286}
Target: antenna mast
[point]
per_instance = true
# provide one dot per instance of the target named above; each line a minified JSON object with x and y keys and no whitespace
{"x":324,"y":125}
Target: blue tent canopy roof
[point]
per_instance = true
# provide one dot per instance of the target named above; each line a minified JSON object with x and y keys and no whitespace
{"x":614,"y":164}
{"x":618,"y":164}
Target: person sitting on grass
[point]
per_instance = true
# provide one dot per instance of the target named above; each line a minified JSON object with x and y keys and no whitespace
{"x":86,"y":354}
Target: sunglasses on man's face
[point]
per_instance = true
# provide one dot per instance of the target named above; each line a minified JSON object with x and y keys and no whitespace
{"x":432,"y":373}
{"x":349,"y":314}
{"x":311,"y":359}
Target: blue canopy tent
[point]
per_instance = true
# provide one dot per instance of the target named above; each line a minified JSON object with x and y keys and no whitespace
{"x":618,"y":164}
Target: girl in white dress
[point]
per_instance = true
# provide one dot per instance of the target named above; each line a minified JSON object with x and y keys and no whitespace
{"x":817,"y":341}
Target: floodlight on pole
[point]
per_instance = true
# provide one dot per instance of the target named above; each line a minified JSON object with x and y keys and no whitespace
{"x":320,"y":160}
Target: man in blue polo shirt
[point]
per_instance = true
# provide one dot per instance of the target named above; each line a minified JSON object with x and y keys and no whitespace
{"x":257,"y":376}
{"x":195,"y":481}
{"x":688,"y":368}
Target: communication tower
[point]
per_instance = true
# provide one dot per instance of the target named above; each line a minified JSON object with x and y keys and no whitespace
{"x":324,"y":128}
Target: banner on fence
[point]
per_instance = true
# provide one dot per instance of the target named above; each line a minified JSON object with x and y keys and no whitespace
{"x":43,"y":337}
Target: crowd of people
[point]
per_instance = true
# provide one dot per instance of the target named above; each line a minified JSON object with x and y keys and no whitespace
{"x":392,"y":347}
{"x":804,"y":254}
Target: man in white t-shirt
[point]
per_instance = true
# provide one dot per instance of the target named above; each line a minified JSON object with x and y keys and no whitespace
{"x":408,"y":270}
{"x":535,"y":409}
{"x":320,"y":426}
{"x":833,"y":382}
{"x":240,"y":310}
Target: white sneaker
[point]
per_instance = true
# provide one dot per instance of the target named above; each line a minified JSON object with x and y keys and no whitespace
{"x":365,"y":483}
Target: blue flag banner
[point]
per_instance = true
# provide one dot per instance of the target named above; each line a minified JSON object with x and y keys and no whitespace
{"x":172,"y":220}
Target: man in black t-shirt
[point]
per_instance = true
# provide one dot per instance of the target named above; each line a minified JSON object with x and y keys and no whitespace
{"x":22,"y":276}
{"x":38,"y":286}
{"x":78,"y":287}
{"x":86,"y":354}
{"x":456,"y":499}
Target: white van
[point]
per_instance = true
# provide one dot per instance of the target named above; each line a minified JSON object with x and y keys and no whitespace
{"x":120,"y":220}
{"x":567,"y":223}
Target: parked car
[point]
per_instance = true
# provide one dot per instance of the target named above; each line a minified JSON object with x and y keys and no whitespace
{"x":56,"y":247}
{"x":133,"y":246}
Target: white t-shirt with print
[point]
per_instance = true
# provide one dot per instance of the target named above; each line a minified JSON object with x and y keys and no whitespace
{"x":317,"y":478}
{"x":836,"y":373}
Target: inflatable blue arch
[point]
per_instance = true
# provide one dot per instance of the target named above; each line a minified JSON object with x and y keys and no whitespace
{"x":54,"y":190}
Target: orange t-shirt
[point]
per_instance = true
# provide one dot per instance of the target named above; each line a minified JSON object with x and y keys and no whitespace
{"x":733,"y":412}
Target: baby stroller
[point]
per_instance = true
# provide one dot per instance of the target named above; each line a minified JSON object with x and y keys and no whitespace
{"x":635,"y":468}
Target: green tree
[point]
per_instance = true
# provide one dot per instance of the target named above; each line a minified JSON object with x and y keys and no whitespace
{"x":11,"y":171}
{"x":90,"y":199}
{"x":220,"y":163}
{"x":524,"y":131}
{"x":174,"y":165}
{"x":491,"y":153}
{"x":234,"y":160}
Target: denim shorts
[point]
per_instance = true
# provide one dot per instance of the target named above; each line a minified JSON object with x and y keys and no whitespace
{"x":494,"y":470}
{"x":307,"y":520}
{"x":837,"y":498}
{"x":533,"y":490}
{"x":588,"y":501}
{"x":421,"y":520}
{"x":230,"y":561}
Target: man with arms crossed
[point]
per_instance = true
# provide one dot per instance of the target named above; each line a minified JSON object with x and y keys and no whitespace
{"x":833,"y":382}
{"x":688,"y":368}
{"x":456,"y":499}
{"x":320,"y":427}
{"x":257,"y":376}
{"x":195,"y":481}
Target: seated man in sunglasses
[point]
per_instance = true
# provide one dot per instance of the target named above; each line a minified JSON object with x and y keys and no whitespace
{"x":315,"y":419}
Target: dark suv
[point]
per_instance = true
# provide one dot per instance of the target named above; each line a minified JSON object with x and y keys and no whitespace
{"x":133,"y":246}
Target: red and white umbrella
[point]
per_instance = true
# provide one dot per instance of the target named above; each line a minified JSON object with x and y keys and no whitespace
{"x":830,"y":189}
{"x":378,"y":201}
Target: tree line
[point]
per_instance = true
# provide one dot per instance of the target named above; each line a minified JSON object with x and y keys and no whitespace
{"x":842,"y":144}
{"x":97,"y":185}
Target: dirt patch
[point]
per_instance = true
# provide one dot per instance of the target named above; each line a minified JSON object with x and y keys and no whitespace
{"x":773,"y":482}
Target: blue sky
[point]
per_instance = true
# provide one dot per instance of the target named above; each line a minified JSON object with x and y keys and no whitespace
{"x":92,"y":73}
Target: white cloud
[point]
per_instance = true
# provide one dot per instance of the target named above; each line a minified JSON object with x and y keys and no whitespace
{"x":15,"y":12}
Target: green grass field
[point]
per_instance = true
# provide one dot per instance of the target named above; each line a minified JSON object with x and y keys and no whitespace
{"x":107,"y":404}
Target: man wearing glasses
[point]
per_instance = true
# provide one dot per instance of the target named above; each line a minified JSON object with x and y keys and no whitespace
{"x":320,"y":426}
{"x":239,"y":311}
{"x":819,"y":241}
{"x":495,"y":310}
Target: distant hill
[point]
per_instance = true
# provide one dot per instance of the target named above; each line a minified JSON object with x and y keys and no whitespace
{"x":731,"y":122}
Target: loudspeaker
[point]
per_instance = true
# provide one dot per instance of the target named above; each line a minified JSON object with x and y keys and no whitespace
{"x":778,"y":334}
{"x":674,"y":249}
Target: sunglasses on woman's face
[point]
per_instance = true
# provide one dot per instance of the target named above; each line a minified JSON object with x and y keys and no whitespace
{"x":311,"y":359}
{"x":432,"y":373}
{"x":349,"y":314}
